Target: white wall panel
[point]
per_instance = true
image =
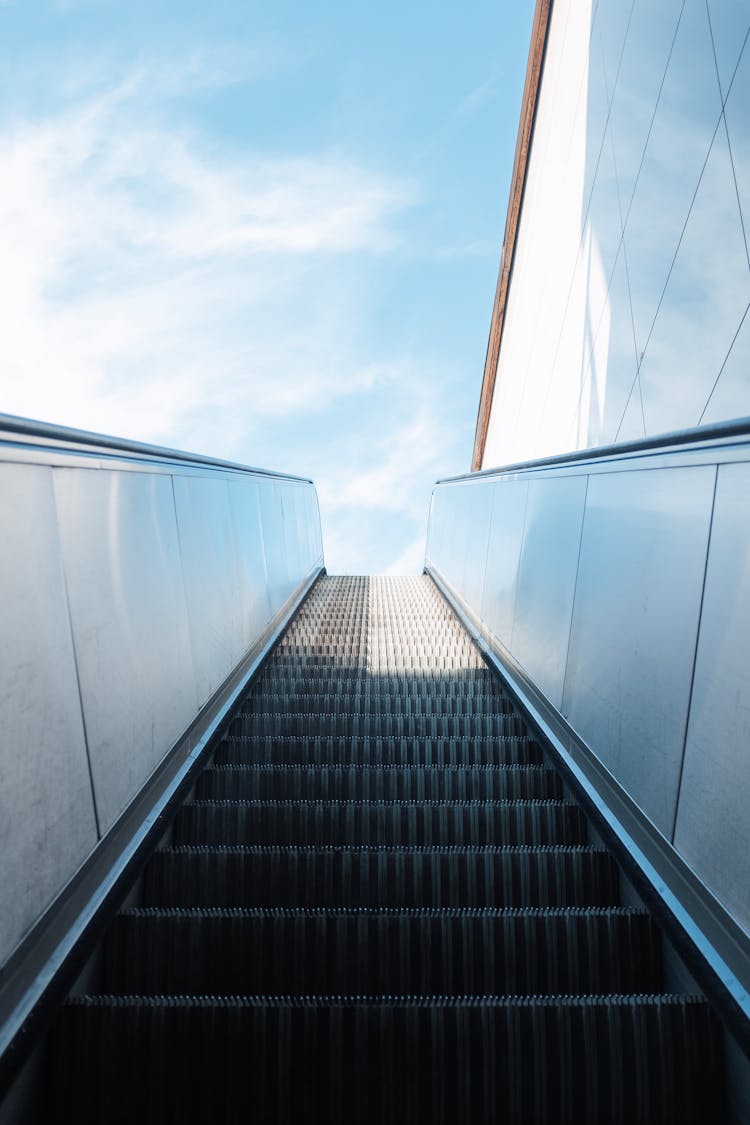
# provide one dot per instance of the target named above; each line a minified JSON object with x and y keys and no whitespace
{"x":525,"y":419}
{"x":47,"y":824}
{"x":130,"y":626}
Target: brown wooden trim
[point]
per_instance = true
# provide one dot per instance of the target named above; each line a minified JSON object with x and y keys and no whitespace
{"x":539,"y":32}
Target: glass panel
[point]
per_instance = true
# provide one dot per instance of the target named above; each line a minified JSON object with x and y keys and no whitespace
{"x":730,"y":398}
{"x":681,"y":136}
{"x":604,"y":224}
{"x":644,"y":60}
{"x":707,"y":293}
{"x":730,"y":22}
{"x":597,"y":107}
{"x":738,"y":126}
{"x":612,"y":362}
{"x":611,"y":24}
{"x":631,"y":426}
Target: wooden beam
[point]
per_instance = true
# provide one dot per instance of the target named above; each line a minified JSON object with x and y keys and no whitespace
{"x":534,"y":68}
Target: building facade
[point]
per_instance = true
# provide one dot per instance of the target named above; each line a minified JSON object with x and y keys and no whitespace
{"x":626,"y":312}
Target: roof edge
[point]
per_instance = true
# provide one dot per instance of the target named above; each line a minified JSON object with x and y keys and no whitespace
{"x":534,"y":68}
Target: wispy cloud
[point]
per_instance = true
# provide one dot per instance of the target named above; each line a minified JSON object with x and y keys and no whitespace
{"x":476,"y":98}
{"x":142,"y":267}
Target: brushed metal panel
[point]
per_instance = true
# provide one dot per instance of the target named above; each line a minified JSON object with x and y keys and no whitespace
{"x":436,"y":524}
{"x":291,"y":506}
{"x":503,"y":553}
{"x":211,"y":571}
{"x":713,"y":825}
{"x":47,"y":824}
{"x":458,"y":532}
{"x":129,"y":618}
{"x":253,"y":601}
{"x":274,"y":545}
{"x":466,"y":527}
{"x":546,"y":580}
{"x":308,"y":517}
{"x":634,"y":626}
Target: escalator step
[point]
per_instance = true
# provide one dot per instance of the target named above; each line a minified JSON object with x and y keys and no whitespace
{"x":370,"y":1059}
{"x":285,"y":681}
{"x":430,"y":952}
{"x":376,"y":877}
{"x":386,"y":725}
{"x":374,"y":750}
{"x":398,"y":823}
{"x":378,"y":908}
{"x":352,"y":783}
{"x":368,"y":703}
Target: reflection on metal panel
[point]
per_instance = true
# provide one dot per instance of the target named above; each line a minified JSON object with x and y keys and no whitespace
{"x":210,"y":576}
{"x":128,"y":612}
{"x":47,"y":823}
{"x":277,"y":566}
{"x":504,"y":549}
{"x":130,"y":590}
{"x":547,"y":579}
{"x":629,"y":609}
{"x":459,"y":545}
{"x":713,"y":825}
{"x":253,"y":601}
{"x":634,"y":624}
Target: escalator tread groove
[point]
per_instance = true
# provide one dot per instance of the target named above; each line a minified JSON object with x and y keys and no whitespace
{"x":380,"y":905}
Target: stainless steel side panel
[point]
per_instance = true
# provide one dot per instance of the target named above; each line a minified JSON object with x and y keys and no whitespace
{"x":547,"y":571}
{"x":133,"y":581}
{"x":253,"y":601}
{"x":130,"y":624}
{"x":619,"y":582}
{"x":504,"y":550}
{"x":713,"y":818}
{"x":277,"y":559}
{"x":635,"y":620}
{"x":211,"y":577}
{"x":458,"y":544}
{"x":47,"y":824}
{"x":291,"y":506}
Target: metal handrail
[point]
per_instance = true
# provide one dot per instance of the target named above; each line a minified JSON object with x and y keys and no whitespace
{"x":698,"y":435}
{"x":47,"y":431}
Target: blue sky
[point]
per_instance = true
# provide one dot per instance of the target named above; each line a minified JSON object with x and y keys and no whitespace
{"x":267,"y":232}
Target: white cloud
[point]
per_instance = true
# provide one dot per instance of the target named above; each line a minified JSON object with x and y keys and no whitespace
{"x":139,"y":263}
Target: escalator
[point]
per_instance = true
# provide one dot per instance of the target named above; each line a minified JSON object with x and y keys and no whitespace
{"x":379,"y":905}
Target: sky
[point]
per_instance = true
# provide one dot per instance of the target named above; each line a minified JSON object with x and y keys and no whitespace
{"x":265,"y":232}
